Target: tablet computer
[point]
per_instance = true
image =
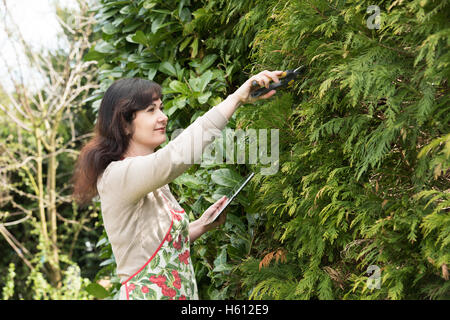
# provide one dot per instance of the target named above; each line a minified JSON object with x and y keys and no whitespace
{"x":234,"y":193}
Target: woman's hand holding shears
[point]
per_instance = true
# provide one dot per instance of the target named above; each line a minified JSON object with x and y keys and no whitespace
{"x":263,"y":79}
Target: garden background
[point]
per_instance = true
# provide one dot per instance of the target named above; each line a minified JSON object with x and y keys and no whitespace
{"x":364,"y":151}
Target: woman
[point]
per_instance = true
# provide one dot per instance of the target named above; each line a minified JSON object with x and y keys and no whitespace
{"x":149,"y":231}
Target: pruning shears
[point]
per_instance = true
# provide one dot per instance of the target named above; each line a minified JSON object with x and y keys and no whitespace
{"x":287,"y":79}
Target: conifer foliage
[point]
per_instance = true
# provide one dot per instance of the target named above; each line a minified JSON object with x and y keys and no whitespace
{"x":360,"y":208}
{"x":365,"y":176}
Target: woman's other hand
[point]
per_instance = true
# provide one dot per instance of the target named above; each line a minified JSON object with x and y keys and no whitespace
{"x":210,"y":212}
{"x":263,"y":79}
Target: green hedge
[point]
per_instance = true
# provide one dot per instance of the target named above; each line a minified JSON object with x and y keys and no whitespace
{"x":364,"y":140}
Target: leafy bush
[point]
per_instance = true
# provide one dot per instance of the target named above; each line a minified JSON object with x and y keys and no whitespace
{"x":364,"y":141}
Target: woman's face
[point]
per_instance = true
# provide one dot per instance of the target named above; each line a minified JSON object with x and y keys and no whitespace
{"x":147,"y":126}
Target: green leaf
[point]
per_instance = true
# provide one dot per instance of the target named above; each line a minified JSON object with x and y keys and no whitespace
{"x":129,"y":38}
{"x":166,"y":24}
{"x":203,"y":98}
{"x":197,"y":208}
{"x":226,"y":177}
{"x":179,"y":86}
{"x":185,"y":43}
{"x":196,"y":84}
{"x":104,"y":47}
{"x":219,"y":192}
{"x":171,"y":110}
{"x":108,"y":14}
{"x":220,"y":263}
{"x":157,"y":23}
{"x":194,"y":46}
{"x":118,"y":21}
{"x":139,"y":37}
{"x":214,"y":101}
{"x":97,"y":290}
{"x":126,"y":9}
{"x":115,"y":3}
{"x":167,"y":68}
{"x":180,"y":102}
{"x":223,"y":267}
{"x":222,"y":257}
{"x":107,"y":262}
{"x":133,"y":57}
{"x":190,"y":181}
{"x":101,"y":242}
{"x":149,"y":4}
{"x":151,"y":73}
{"x":109,"y":29}
{"x":200,"y":13}
{"x":207,"y":62}
{"x":132,"y":26}
{"x":162,"y":11}
{"x":93,"y":55}
{"x":185,"y":15}
{"x":205,"y":79}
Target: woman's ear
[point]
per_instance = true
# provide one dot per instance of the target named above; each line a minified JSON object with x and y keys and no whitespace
{"x":128,"y":126}
{"x":128,"y":129}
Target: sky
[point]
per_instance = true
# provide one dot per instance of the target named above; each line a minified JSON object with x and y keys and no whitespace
{"x":37,"y":22}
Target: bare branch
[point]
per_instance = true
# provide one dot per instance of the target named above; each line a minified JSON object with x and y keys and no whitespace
{"x":17,"y":121}
{"x":80,"y":223}
{"x":40,"y":115}
{"x":16,"y":245}
{"x":6,"y":224}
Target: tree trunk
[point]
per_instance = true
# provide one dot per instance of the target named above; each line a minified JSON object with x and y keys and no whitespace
{"x":49,"y":247}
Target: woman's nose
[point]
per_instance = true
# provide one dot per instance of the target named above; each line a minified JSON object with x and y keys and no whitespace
{"x":163,"y":117}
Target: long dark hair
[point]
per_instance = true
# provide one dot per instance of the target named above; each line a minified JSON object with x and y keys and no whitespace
{"x":111,"y":138}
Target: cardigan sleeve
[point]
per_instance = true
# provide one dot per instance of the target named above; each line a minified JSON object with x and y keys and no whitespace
{"x":131,"y":179}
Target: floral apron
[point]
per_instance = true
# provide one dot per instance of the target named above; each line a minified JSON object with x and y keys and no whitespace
{"x":168,"y":274}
